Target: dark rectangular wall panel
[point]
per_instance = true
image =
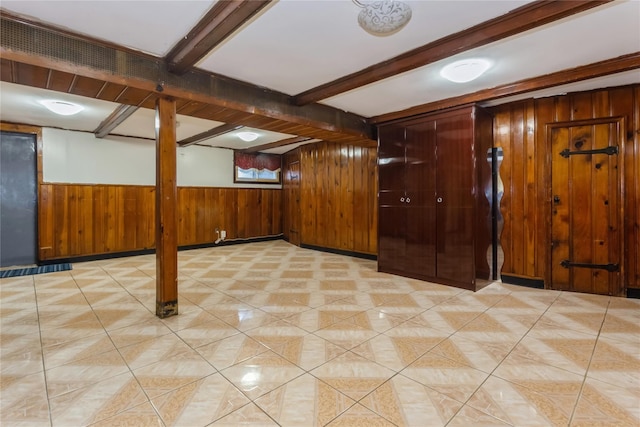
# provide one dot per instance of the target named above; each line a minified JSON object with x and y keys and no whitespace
{"x":18,"y":195}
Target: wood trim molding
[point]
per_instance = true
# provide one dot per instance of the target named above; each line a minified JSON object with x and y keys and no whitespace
{"x":572,"y":75}
{"x":524,"y":18}
{"x":225,"y":17}
{"x":119,"y":115}
{"x":211,"y":133}
{"x":276,"y":144}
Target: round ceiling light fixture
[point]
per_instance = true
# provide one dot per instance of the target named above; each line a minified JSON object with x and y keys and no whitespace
{"x":465,"y":70}
{"x":247,"y":136}
{"x":383,"y":17}
{"x":63,"y":108}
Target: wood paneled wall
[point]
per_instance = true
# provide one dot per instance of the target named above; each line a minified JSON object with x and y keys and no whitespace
{"x":338,"y":197}
{"x":80,"y":220}
{"x":291,"y":197}
{"x":519,"y":128}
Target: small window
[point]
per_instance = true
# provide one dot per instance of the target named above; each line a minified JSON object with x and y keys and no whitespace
{"x":256,"y":167}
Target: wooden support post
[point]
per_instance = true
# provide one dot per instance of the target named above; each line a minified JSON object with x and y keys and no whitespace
{"x":166,"y":201}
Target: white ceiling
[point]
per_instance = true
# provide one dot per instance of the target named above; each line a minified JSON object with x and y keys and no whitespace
{"x":300,"y":44}
{"x":294,"y":45}
{"x":579,"y":40}
{"x":19,"y":104}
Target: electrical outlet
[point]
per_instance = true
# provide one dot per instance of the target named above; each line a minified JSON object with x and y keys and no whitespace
{"x":223,"y":234}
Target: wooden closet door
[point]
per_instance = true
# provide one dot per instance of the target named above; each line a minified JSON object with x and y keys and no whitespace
{"x":455,"y":199}
{"x":391,"y":196}
{"x":291,"y":198}
{"x":420,"y":207}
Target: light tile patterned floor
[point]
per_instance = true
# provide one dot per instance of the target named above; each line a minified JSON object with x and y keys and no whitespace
{"x":270,"y":334}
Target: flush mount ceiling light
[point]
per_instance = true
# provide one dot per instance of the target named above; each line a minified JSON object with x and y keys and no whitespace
{"x":62,"y":107}
{"x":383,"y":17}
{"x":465,"y":70}
{"x":247,"y":136}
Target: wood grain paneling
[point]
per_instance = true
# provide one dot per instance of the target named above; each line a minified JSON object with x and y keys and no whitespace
{"x":519,"y":128}
{"x":338,"y":199}
{"x":291,"y":197}
{"x":81,"y":220}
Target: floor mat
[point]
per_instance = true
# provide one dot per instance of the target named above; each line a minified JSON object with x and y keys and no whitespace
{"x":35,"y":270}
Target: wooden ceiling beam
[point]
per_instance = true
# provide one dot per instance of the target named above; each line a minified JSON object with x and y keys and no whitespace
{"x":276,"y":144}
{"x":211,"y":133}
{"x":40,"y":46}
{"x":603,"y":68}
{"x":123,"y":111}
{"x":119,"y":115}
{"x":531,"y":15}
{"x":225,"y":17}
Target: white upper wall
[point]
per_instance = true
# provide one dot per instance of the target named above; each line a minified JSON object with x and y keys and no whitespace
{"x":81,"y":158}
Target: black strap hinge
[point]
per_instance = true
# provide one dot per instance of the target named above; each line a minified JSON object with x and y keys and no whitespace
{"x":607,"y":150}
{"x":609,"y":267}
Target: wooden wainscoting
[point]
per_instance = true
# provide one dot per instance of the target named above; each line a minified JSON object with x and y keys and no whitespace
{"x":519,"y":128}
{"x":338,"y":197}
{"x":82,"y":220}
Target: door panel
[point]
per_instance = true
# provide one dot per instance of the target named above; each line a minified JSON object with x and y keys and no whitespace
{"x":585,"y":216}
{"x":420,"y":241}
{"x":18,"y":192}
{"x":602,"y":240}
{"x":455,"y":201}
{"x":560,"y":209}
{"x":391,"y":238}
{"x":391,"y":196}
{"x":580,"y":196}
{"x":420,"y":184}
{"x":391,"y":162}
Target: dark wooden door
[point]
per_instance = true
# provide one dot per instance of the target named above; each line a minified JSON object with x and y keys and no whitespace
{"x":420,"y":204}
{"x":392,"y":224}
{"x":291,"y":200}
{"x":455,"y":199}
{"x":586,"y":207}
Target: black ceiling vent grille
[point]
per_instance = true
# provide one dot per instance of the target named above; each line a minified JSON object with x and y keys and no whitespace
{"x":58,"y":46}
{"x":36,"y":41}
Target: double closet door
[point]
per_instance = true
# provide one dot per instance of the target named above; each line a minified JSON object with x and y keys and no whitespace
{"x":407,"y":187}
{"x":428,"y":199}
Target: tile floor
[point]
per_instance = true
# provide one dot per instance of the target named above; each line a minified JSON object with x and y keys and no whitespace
{"x":270,"y":334}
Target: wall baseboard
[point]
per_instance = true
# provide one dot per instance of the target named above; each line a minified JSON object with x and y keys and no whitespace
{"x":522,"y":281}
{"x":112,"y":255}
{"x":340,"y":252}
{"x":97,"y":257}
{"x":633,"y":293}
{"x":231,"y":242}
